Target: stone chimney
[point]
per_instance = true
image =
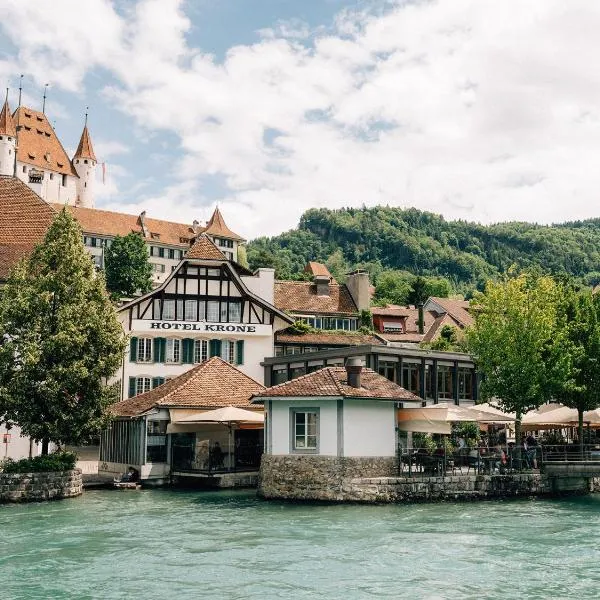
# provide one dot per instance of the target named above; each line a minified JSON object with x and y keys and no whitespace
{"x":421,"y":321}
{"x":322,"y":283}
{"x":358,"y":285}
{"x":143,"y":224}
{"x":354,"y":369}
{"x":196,"y":226}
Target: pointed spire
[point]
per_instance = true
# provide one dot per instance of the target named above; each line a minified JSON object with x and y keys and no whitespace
{"x":204,"y":248}
{"x":217,"y":226}
{"x":85,"y":148}
{"x":7,"y":123}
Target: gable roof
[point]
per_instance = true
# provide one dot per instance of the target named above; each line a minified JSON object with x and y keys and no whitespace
{"x":204,"y":248}
{"x":212,"y":384}
{"x":301,"y":297}
{"x":324,"y":338}
{"x":38,"y":144}
{"x":458,"y":309}
{"x":333,"y":382}
{"x":24,"y":221}
{"x":85,"y":148}
{"x":217,"y":226}
{"x":109,"y":223}
{"x":7,"y":123}
{"x":317,"y":269}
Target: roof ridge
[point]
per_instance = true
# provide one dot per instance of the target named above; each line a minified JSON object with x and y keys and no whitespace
{"x":200,"y":245}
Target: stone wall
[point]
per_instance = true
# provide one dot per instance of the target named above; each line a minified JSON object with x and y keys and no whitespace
{"x":376,"y":480}
{"x":303,"y":477}
{"x":37,"y":487}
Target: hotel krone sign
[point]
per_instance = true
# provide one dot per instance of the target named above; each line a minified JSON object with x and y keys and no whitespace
{"x":201,"y":327}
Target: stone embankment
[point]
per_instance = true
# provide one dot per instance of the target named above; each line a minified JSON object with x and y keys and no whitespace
{"x":37,"y":487}
{"x":375,"y":480}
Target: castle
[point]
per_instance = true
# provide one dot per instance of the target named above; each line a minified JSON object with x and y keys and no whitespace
{"x":31,"y":151}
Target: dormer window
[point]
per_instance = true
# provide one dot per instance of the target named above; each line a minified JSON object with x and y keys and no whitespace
{"x":85,"y":161}
{"x":40,"y":119}
{"x":46,"y":134}
{"x":28,"y":115}
{"x":184,"y":240}
{"x":154,"y":236}
{"x":40,"y":131}
{"x":27,"y":128}
{"x":47,"y":156}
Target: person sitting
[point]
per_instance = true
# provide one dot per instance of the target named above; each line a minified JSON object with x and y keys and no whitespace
{"x":531,"y":454}
{"x":132,"y":476}
{"x":217,"y":456}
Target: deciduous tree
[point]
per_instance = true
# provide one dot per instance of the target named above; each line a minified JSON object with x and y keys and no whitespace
{"x":128,"y":270}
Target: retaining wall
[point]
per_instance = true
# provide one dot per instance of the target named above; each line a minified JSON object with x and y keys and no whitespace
{"x":376,"y":480}
{"x":37,"y":487}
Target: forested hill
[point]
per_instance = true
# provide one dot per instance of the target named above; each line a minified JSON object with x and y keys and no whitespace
{"x":422,"y":243}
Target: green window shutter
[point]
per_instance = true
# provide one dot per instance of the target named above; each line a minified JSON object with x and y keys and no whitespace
{"x":159,"y":349}
{"x":215,"y":348}
{"x":240,"y":352}
{"x":188,"y":351}
{"x":155,"y":382}
{"x":131,"y":387}
{"x":133,"y":342}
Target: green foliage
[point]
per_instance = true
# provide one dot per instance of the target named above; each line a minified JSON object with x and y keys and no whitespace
{"x":393,"y":287}
{"x":242,"y":256}
{"x":127,"y":268}
{"x":424,"y":440}
{"x":466,"y":254}
{"x":468,"y":430}
{"x":518,"y":342}
{"x":57,"y":461}
{"x":338,"y":266}
{"x":366,"y":320}
{"x":449,"y":339}
{"x":299,"y":327}
{"x":62,"y":338}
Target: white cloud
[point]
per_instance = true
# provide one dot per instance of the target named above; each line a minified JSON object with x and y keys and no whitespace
{"x":473,"y":108}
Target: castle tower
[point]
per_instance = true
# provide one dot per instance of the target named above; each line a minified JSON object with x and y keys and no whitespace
{"x":84,"y":163}
{"x":8,"y":141}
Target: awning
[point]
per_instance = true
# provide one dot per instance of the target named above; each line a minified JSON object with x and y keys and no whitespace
{"x":189,"y":420}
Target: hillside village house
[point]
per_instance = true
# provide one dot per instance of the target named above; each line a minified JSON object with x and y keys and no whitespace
{"x":333,"y":424}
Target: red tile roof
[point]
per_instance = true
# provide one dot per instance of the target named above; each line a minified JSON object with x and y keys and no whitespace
{"x":24,"y":221}
{"x":458,"y":309}
{"x":204,"y":248}
{"x":301,"y":297}
{"x":38,"y":144}
{"x":392,"y":310}
{"x":85,"y":148}
{"x":7,"y":123}
{"x":216,"y":226}
{"x":317,"y":269}
{"x":212,"y":384}
{"x":333,"y":382}
{"x":328,"y":339}
{"x":109,"y":223}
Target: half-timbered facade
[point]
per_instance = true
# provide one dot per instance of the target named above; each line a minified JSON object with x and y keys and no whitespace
{"x":208,"y":306}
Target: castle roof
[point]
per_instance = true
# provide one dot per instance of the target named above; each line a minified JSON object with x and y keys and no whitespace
{"x":216,"y":226}
{"x":204,"y":248}
{"x":7,"y":123}
{"x":38,"y":145}
{"x":85,"y":148}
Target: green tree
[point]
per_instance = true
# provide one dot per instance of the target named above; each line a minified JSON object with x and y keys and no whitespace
{"x":128,"y":270}
{"x":338,"y":266}
{"x":447,"y":340}
{"x":581,"y":319}
{"x":61,"y":339}
{"x":517,"y":342}
{"x":393,"y":287}
{"x":242,"y":256}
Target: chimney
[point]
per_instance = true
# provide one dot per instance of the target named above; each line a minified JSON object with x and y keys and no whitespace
{"x":421,"y":321}
{"x":195,"y":226}
{"x":322,"y":283}
{"x":143,"y":224}
{"x":358,"y":285}
{"x":353,"y":369}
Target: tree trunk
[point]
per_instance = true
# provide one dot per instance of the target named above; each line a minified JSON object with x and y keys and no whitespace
{"x":518,"y":451}
{"x":45,"y":444}
{"x":580,"y":430}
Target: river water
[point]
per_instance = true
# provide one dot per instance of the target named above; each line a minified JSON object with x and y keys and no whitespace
{"x":190,"y":544}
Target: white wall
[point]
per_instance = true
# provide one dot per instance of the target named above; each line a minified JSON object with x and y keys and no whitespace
{"x":369,"y":428}
{"x":280,"y":425}
{"x":51,"y":190}
{"x":262,"y":284}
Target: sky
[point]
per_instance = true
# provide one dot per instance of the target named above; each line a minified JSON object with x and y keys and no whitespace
{"x":485,"y":110}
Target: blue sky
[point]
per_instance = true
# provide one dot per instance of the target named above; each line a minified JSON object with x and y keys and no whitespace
{"x":475,"y":109}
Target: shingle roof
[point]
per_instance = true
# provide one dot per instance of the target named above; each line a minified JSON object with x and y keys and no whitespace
{"x":212,"y":384}
{"x":433,"y":332}
{"x":392,"y":310}
{"x":38,"y":144}
{"x":204,"y":247}
{"x":217,"y":226}
{"x":85,"y":148}
{"x":327,"y":339}
{"x":301,"y":297}
{"x":24,"y":221}
{"x":458,"y":309}
{"x":333,"y":382}
{"x":317,"y":269}
{"x":109,"y":223}
{"x":7,"y":123}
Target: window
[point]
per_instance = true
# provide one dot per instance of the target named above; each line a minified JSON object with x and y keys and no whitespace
{"x":24,"y":169}
{"x":51,"y":176}
{"x":173,"y":354}
{"x":191,"y":310}
{"x":223,"y":312}
{"x":144,"y":350}
{"x":97,"y":261}
{"x":228,"y":255}
{"x":158,"y":268}
{"x":156,"y":442}
{"x":154,"y":236}
{"x":279,"y":375}
{"x":168,"y":310}
{"x":445,"y":381}
{"x":465,"y":384}
{"x":228,"y":351}
{"x":212,"y":312}
{"x":278,"y":350}
{"x":200,"y":350}
{"x":64,"y":181}
{"x":387,"y":368}
{"x":411,"y":379}
{"x":142,"y":384}
{"x":224,"y":243}
{"x":305,"y":430}
{"x":161,"y":252}
{"x":296,"y":372}
{"x":171,"y":253}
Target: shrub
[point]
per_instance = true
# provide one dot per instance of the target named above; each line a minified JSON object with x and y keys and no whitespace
{"x":57,"y":461}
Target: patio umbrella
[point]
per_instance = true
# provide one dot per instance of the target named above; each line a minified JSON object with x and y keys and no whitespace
{"x":227,"y":415}
{"x":490,"y":407}
{"x":549,"y":416}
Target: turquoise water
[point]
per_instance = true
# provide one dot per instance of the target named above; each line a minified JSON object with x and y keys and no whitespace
{"x":182,"y":544}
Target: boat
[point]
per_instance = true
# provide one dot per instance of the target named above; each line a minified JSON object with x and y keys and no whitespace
{"x":127,"y":485}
